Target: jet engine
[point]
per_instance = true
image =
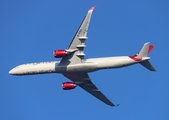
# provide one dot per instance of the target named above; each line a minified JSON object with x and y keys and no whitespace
{"x":59,"y":53}
{"x":68,"y":85}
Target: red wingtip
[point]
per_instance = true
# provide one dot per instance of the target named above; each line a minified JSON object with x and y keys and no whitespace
{"x":150,"y":48}
{"x":92,"y":8}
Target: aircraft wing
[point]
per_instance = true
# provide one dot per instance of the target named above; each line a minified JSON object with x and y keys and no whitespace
{"x":76,"y":47}
{"x":84,"y":81}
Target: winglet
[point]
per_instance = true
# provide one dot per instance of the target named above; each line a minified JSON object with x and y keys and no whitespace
{"x":92,"y":8}
{"x":117,"y":105}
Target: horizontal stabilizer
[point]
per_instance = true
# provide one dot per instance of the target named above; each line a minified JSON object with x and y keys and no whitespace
{"x":147,"y":65}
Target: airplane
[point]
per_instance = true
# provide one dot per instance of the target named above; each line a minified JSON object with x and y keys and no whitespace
{"x":75,"y":67}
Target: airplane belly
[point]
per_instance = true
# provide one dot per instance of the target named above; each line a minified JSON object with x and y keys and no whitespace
{"x":82,"y":67}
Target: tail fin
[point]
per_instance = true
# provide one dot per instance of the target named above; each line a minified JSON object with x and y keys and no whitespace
{"x":147,"y":65}
{"x":149,"y":50}
{"x":144,"y":51}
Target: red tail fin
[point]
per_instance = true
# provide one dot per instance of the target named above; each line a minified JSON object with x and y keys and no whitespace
{"x":150,"y":48}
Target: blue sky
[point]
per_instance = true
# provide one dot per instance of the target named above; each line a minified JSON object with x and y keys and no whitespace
{"x":31,"y":30}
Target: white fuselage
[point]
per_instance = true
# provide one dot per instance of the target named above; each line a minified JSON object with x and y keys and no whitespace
{"x":89,"y":65}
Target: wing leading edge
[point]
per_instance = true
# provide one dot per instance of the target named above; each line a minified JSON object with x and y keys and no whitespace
{"x":76,"y":47}
{"x":84,"y":81}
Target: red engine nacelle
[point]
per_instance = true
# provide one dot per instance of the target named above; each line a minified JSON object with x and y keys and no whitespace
{"x":59,"y":53}
{"x":68,"y":85}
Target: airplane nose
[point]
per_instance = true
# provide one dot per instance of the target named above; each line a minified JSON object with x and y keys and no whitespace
{"x":12,"y":72}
